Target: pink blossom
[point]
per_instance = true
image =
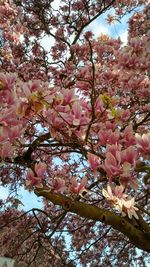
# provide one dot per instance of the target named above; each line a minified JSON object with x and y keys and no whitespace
{"x":7,"y":80}
{"x":94,"y":161}
{"x":129,"y":155}
{"x":35,"y":178}
{"x":119,"y":191}
{"x":68,"y":96}
{"x":120,"y":201}
{"x":128,"y":206}
{"x":119,"y":162}
{"x":99,"y":107}
{"x":108,"y":194}
{"x":76,"y":115}
{"x":40,"y":168}
{"x":15,"y":131}
{"x":114,"y":193}
{"x":143,"y":142}
{"x":112,"y":165}
{"x":80,"y":119}
{"x":108,"y":137}
{"x":78,"y":188}
{"x":115,"y":150}
{"x":128,"y":136}
{"x":31,"y":87}
{"x":58,"y":185}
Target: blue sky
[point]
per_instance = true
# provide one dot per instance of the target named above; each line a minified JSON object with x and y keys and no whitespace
{"x":29,"y":199}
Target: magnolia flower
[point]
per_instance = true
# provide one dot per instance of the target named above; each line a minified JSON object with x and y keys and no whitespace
{"x":34,"y":178}
{"x":118,"y":199}
{"x":115,"y":195}
{"x":108,"y":194}
{"x":129,"y":155}
{"x":119,"y":192}
{"x":75,"y":116}
{"x":112,"y":165}
{"x":108,"y":137}
{"x":40,"y":168}
{"x":143,"y":142}
{"x":128,"y":136}
{"x":129,"y":208}
{"x":94,"y":161}
{"x":58,"y":185}
{"x":78,"y":188}
{"x":68,"y":96}
{"x":119,"y":162}
{"x":7,"y":81}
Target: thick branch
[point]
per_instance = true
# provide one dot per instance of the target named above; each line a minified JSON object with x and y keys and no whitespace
{"x":136,"y":237}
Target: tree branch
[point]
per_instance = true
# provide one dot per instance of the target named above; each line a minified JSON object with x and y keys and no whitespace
{"x":136,"y":236}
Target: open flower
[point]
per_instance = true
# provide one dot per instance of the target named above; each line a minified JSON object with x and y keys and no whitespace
{"x":119,"y":200}
{"x":108,"y":194}
{"x":114,"y":195}
{"x":129,"y":208}
{"x":119,"y":191}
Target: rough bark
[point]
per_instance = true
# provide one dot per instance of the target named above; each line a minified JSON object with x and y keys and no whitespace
{"x":138,"y":237}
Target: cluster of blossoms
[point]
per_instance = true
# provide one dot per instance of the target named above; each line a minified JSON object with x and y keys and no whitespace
{"x":74,"y":128}
{"x":67,"y":116}
{"x":120,"y":200}
{"x":35,"y":179}
{"x":97,"y":119}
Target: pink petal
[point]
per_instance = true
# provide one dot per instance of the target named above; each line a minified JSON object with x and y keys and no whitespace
{"x":40,"y":168}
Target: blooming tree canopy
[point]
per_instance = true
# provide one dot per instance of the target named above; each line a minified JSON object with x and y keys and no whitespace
{"x":74,"y":129}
